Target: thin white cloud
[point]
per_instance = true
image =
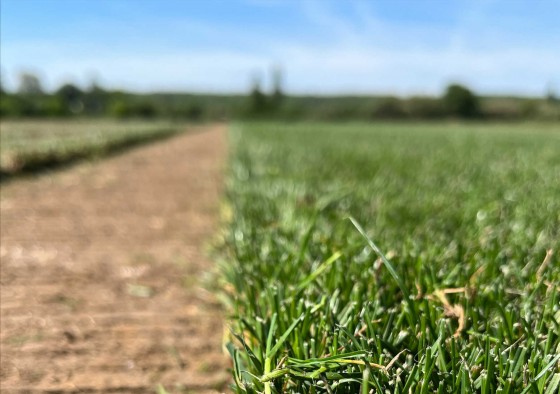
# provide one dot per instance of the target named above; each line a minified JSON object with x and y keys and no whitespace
{"x":197,"y":70}
{"x":355,"y":55}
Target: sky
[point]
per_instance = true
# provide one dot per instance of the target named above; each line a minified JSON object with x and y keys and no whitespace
{"x":412,"y":47}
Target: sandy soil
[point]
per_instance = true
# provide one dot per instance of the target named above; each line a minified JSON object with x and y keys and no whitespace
{"x":101,"y":268}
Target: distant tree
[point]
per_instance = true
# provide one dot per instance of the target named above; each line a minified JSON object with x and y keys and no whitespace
{"x":529,"y":109}
{"x":551,"y":95}
{"x":95,"y":99}
{"x":425,"y":108}
{"x":389,"y":108}
{"x":71,"y":97}
{"x":29,"y":84}
{"x":258,"y":104}
{"x":144,"y":110}
{"x":126,"y":109}
{"x":120,"y":109}
{"x":2,"y":91}
{"x":461,"y":102}
{"x":18,"y":106}
{"x":53,"y":106}
{"x":96,"y":89}
{"x":194,"y":111}
{"x":69,"y":93}
{"x":277,"y":90}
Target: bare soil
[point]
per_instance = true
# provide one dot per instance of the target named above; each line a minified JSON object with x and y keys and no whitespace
{"x":101,"y":268}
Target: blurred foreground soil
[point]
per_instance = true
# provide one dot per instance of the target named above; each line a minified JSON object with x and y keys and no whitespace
{"x":100,"y":273}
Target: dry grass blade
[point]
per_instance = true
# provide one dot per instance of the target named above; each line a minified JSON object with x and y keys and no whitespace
{"x":394,"y":360}
{"x":452,"y":310}
{"x":544,"y":264}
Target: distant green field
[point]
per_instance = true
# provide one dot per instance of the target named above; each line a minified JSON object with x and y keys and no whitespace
{"x":449,"y":288}
{"x":30,"y":145}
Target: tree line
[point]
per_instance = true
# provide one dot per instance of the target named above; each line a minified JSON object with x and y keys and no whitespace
{"x":458,"y":101}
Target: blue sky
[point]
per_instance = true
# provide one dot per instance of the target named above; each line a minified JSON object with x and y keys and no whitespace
{"x":323,"y":47}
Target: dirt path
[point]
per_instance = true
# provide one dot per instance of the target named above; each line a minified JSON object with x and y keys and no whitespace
{"x":100,"y":273}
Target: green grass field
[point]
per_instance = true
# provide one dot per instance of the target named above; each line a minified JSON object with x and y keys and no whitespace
{"x":31,"y":145}
{"x":403,"y":258}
